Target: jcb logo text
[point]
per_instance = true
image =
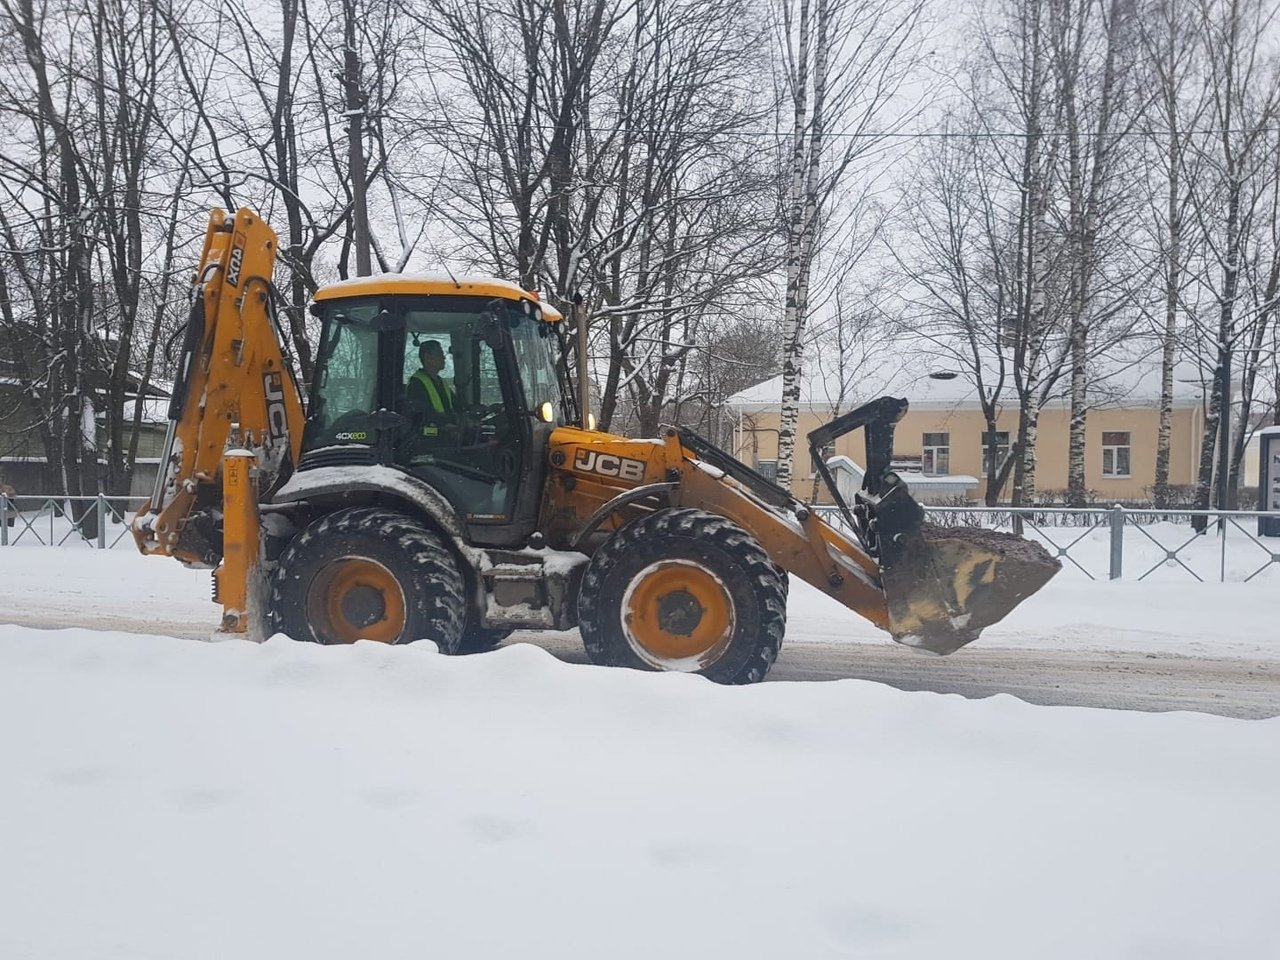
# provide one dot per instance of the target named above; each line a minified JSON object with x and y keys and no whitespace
{"x":608,"y":465}
{"x":277,"y":417}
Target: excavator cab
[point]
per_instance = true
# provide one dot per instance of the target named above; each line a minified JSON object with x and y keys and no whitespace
{"x":456,"y":389}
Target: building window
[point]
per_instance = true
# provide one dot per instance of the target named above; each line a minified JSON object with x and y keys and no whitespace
{"x":1002,"y":450}
{"x":1115,"y":453}
{"x":767,"y":469}
{"x":936,"y":458}
{"x":826,"y":453}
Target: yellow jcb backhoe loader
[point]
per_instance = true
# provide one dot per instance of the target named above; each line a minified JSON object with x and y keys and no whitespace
{"x":443,"y":485}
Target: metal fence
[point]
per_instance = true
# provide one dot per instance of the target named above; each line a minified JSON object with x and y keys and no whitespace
{"x":101,"y":522}
{"x":1113,"y":543}
{"x":1099,"y":543}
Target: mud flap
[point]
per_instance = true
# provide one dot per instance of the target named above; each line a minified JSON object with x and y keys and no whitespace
{"x":943,"y":585}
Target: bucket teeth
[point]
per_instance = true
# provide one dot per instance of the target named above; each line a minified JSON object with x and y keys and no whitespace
{"x":943,"y":585}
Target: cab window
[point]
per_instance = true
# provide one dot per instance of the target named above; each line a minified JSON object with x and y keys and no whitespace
{"x":460,"y":432}
{"x":346,"y":387}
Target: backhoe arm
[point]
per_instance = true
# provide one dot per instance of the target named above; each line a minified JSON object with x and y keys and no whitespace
{"x":235,"y":397}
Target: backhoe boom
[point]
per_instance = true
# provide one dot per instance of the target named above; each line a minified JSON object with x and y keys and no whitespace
{"x":234,"y":387}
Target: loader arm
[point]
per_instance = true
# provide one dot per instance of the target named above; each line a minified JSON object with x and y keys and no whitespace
{"x":931,"y":588}
{"x":235,"y":394}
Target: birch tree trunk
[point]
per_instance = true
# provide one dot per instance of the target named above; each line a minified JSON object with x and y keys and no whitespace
{"x":1170,"y":44}
{"x":845,"y":61}
{"x":1091,"y":98}
{"x":797,"y":230}
{"x":1172,"y":293}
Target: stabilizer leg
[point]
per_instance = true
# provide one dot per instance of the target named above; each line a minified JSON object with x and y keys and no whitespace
{"x":238,"y":577}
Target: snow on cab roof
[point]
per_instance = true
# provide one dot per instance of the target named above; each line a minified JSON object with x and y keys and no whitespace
{"x":434,"y":283}
{"x":424,"y":283}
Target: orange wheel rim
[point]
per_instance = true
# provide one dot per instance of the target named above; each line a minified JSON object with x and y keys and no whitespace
{"x":355,"y":598}
{"x":677,"y":615}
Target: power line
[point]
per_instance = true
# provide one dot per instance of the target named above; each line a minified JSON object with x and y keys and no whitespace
{"x":781,"y":134}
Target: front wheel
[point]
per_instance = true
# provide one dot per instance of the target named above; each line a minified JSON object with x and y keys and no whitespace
{"x":482,"y":639}
{"x":684,"y":590}
{"x":368,"y":574}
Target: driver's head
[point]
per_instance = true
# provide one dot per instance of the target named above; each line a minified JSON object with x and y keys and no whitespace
{"x":431,"y":355}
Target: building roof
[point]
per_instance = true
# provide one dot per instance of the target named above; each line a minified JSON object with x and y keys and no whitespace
{"x":1120,"y":382}
{"x":154,"y":410}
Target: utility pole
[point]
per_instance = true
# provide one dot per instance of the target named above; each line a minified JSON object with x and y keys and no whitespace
{"x":355,"y":141}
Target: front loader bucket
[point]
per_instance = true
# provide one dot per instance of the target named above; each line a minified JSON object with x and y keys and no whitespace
{"x":943,"y":585}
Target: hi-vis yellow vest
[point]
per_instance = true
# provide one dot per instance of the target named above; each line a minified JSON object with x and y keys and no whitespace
{"x":441,"y":402}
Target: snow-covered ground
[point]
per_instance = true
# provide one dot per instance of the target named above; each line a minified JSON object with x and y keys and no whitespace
{"x":120,"y":589}
{"x":169,"y":798}
{"x":178,"y":799}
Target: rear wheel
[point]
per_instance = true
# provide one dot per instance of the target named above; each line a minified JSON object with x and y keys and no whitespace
{"x":368,"y":574}
{"x":684,"y":590}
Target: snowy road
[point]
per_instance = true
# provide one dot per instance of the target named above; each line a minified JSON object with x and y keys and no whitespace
{"x":1231,"y":687}
{"x":1139,"y":646}
{"x":1249,"y":689}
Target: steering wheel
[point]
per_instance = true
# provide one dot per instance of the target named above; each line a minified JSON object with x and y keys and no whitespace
{"x":474,"y":422}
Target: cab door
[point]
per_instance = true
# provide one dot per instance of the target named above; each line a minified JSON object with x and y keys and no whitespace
{"x":467,"y":432}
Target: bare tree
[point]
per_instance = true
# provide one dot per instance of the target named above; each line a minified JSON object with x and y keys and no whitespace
{"x":848,"y":344}
{"x":959,"y":265}
{"x":1257,"y":339}
{"x":995,"y":255}
{"x":604,"y":152}
{"x":507,"y":112}
{"x":844,"y":64}
{"x":306,"y":115}
{"x":1094,"y":56}
{"x":47,"y":224}
{"x":1170,"y":44}
{"x":1243,"y":91}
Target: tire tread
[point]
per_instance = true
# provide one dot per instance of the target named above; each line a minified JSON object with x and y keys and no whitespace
{"x":765,"y":579}
{"x":425,"y":555}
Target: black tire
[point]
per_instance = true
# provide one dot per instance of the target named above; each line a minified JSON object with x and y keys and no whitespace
{"x":423,"y":583}
{"x":702,"y":549}
{"x":481,"y":639}
{"x":783,"y":579}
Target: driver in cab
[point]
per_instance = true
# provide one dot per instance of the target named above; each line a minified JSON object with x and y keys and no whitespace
{"x":429,"y":396}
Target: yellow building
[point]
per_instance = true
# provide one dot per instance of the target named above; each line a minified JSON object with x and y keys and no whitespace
{"x":942,"y":434}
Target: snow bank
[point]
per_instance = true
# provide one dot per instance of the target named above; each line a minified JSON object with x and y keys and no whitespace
{"x":170,"y":798}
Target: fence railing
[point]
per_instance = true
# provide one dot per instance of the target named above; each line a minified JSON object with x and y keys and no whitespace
{"x":1111,"y":543}
{"x":1098,"y":543}
{"x":101,"y":522}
